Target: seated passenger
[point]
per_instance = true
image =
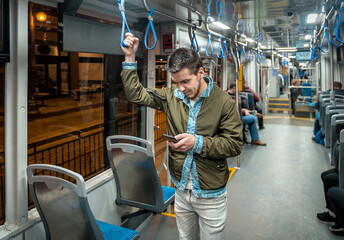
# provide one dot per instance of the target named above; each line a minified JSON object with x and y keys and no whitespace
{"x":330,"y":179}
{"x":336,"y":199}
{"x":257,"y":107}
{"x":248,"y":119}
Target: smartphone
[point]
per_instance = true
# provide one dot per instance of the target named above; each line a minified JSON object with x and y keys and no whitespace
{"x":170,"y":138}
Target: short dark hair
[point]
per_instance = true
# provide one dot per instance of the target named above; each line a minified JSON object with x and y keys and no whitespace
{"x":337,"y":85}
{"x":185,"y":58}
{"x":233,"y":85}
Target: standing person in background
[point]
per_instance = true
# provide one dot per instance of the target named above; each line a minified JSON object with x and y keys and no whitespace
{"x":294,"y":93}
{"x":206,"y":123}
{"x":257,"y":107}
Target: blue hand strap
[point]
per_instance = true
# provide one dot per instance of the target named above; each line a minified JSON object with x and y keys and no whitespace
{"x":341,"y":27}
{"x":220,"y":49}
{"x":124,"y":21}
{"x":219,"y":9}
{"x":243,"y":54}
{"x":333,"y":30}
{"x":194,"y":39}
{"x":208,"y":6}
{"x":224,"y":47}
{"x":150,"y":25}
{"x":322,"y":41}
{"x":209,"y":44}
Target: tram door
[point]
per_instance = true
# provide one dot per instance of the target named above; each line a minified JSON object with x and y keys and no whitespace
{"x":160,"y":124}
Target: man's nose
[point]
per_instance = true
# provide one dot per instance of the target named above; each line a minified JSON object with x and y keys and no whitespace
{"x":181,"y":88}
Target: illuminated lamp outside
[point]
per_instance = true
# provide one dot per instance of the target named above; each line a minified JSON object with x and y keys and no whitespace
{"x":41,"y":16}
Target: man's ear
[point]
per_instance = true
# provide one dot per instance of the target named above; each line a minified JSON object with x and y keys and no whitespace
{"x":201,"y":72}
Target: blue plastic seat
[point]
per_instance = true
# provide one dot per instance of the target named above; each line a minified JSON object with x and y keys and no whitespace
{"x":137,"y":181}
{"x":63,"y":206}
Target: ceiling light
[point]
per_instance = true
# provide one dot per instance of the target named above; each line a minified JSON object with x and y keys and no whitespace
{"x":306,"y":45}
{"x":263,"y":47}
{"x":221,"y":25}
{"x":292,"y":56}
{"x":312,"y":17}
{"x":287,"y":49}
{"x":307,"y":37}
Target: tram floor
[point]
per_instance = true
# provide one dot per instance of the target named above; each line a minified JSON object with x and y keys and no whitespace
{"x":277,"y":191}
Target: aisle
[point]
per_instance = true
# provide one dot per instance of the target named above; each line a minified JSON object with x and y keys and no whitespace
{"x":278,"y":191}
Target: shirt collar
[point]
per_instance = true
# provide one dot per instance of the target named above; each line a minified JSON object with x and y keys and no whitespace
{"x":205,"y":93}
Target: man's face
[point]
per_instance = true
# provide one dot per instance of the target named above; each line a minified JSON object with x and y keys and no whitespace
{"x":188,"y":83}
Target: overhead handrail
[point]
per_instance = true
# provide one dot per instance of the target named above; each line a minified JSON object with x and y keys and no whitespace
{"x":124,"y":21}
{"x":209,"y":44}
{"x":219,"y":9}
{"x":224,"y":47}
{"x":322,"y":41}
{"x":194,"y":39}
{"x":173,"y":18}
{"x":333,"y":33}
{"x":220,"y":49}
{"x":150,"y":26}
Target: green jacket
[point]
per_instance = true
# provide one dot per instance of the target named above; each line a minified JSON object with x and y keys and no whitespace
{"x":218,"y":122}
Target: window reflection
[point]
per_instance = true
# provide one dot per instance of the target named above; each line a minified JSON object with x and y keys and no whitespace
{"x":75,"y":101}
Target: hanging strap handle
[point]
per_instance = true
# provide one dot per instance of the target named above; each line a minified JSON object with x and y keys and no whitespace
{"x":334,"y":27}
{"x":220,"y":49}
{"x":150,"y":26}
{"x":208,"y":6}
{"x":124,"y":21}
{"x":243,"y":54}
{"x":224,"y":47}
{"x":322,"y":40}
{"x":194,"y":39}
{"x":219,"y":9}
{"x":209,"y":44}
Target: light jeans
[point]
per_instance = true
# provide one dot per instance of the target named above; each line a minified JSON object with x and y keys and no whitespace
{"x":200,"y":218}
{"x":250,"y":120}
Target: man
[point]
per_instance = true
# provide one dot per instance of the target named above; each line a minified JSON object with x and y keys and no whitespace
{"x":206,"y":122}
{"x":258,"y":108}
{"x":248,"y":119}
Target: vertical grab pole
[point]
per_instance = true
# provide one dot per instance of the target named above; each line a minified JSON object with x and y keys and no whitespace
{"x":236,"y":91}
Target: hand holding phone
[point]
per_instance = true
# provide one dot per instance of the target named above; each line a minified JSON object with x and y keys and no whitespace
{"x":170,"y":138}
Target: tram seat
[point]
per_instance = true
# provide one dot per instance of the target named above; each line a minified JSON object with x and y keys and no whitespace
{"x":137,"y":181}
{"x":250,"y":99}
{"x":244,"y":100}
{"x":63,"y":206}
{"x":341,"y":159}
{"x":326,"y":101}
{"x":329,"y":112}
{"x":302,"y":109}
{"x":337,"y":124}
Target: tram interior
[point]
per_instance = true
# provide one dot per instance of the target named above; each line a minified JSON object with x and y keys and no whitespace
{"x":64,"y":75}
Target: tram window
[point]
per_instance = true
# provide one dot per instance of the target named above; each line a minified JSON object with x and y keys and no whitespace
{"x":2,"y":149}
{"x":4,"y":31}
{"x":75,"y":101}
